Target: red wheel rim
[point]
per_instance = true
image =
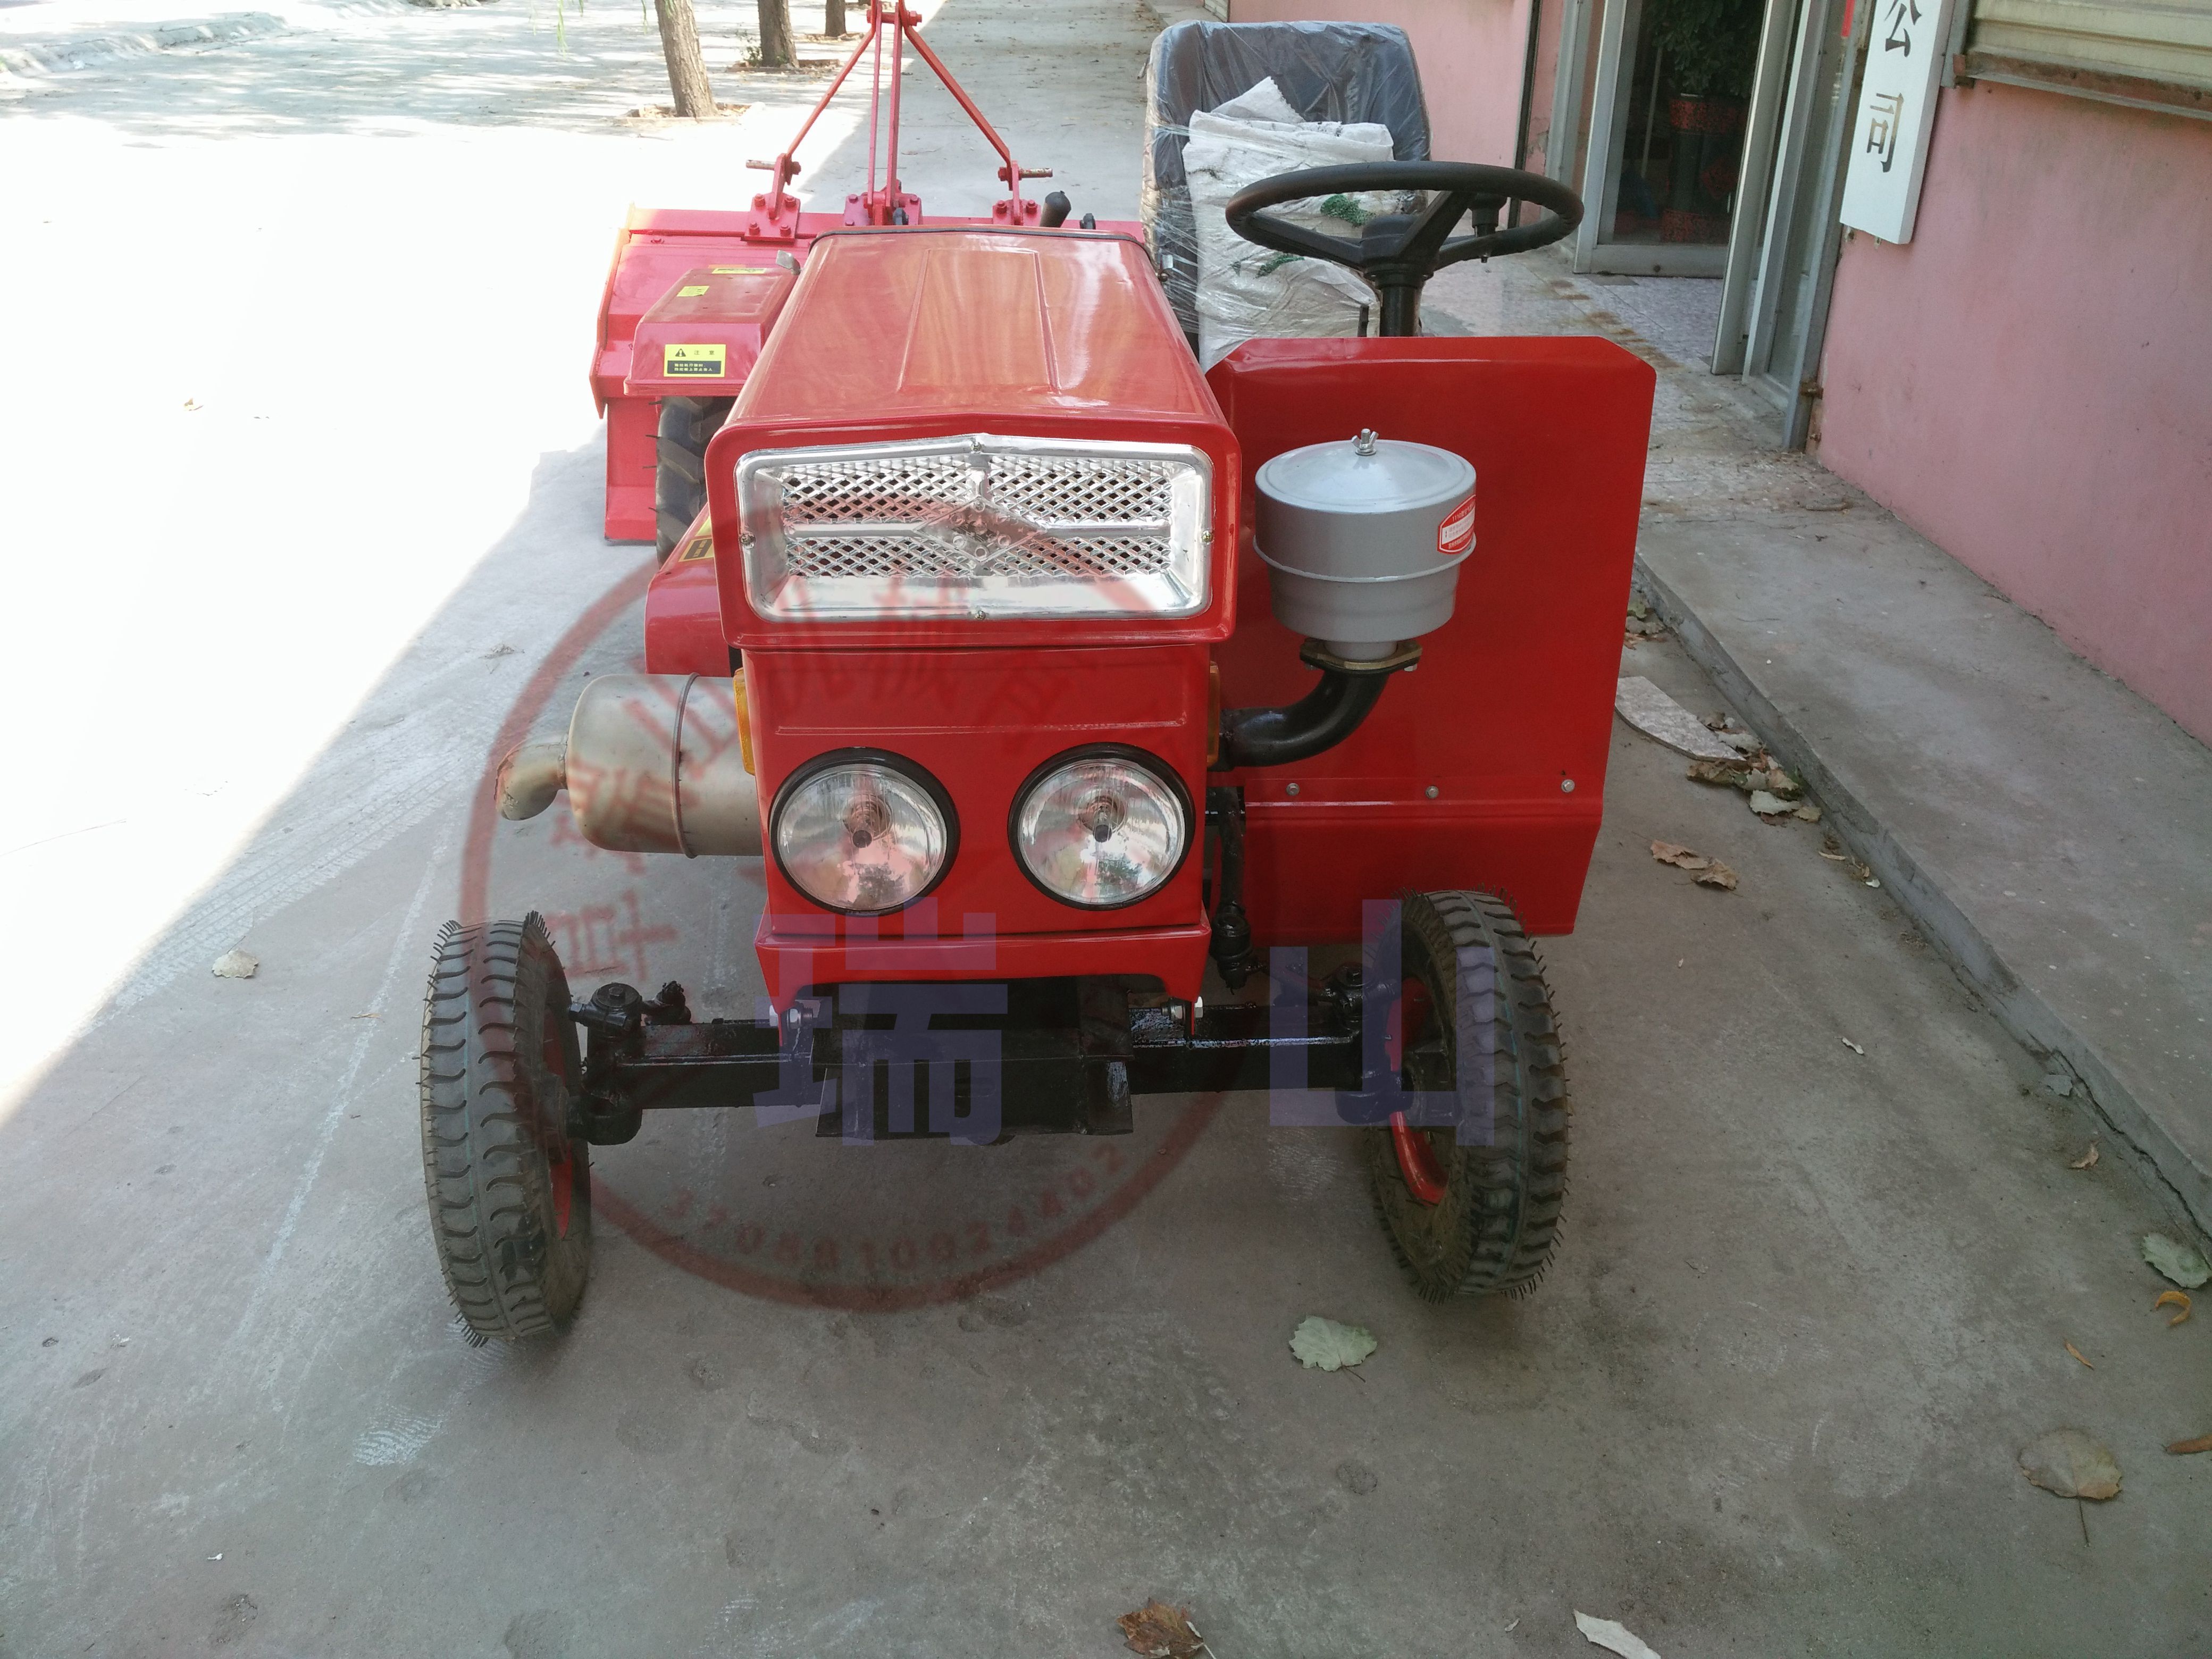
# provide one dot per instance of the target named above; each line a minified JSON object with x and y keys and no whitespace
{"x":560,"y":1159}
{"x":1416,"y":1161}
{"x":1418,"y":1164}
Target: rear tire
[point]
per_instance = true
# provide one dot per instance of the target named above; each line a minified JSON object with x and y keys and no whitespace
{"x":510,"y":1191}
{"x":1475,"y":1220}
{"x":679,"y":473}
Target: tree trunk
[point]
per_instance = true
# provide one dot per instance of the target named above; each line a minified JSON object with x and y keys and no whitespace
{"x":833,"y":18}
{"x":775,"y":34}
{"x":687,"y":69}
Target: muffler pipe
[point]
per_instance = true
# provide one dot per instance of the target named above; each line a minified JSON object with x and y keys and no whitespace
{"x":653,"y":763}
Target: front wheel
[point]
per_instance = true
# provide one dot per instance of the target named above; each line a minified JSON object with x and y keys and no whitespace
{"x":1468,"y":1218}
{"x":510,"y":1190}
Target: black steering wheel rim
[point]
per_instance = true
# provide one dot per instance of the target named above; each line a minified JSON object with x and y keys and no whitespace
{"x":1397,"y":253}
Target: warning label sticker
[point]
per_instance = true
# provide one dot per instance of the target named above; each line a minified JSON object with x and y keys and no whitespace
{"x":1456,"y":533}
{"x":690,"y":289}
{"x":709,"y":362}
{"x":739,"y":270}
{"x":700,"y":546}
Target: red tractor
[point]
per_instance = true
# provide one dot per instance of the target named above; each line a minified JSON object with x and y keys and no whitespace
{"x":1048,"y":674}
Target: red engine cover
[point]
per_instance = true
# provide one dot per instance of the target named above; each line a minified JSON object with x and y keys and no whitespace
{"x":1484,"y":767}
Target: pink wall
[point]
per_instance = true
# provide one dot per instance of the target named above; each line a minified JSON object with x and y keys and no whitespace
{"x":2028,"y":382}
{"x":1470,"y":52}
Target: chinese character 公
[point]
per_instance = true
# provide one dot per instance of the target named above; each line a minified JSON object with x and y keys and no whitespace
{"x":1900,"y":38}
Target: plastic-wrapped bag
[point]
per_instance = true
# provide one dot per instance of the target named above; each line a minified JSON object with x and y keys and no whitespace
{"x":1324,"y":71}
{"x":1245,"y":291}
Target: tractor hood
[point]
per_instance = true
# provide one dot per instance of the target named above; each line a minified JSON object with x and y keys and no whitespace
{"x":908,"y":325}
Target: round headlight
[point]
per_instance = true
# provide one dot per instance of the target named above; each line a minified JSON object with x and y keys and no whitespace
{"x":863,"y":834}
{"x":1101,"y":828}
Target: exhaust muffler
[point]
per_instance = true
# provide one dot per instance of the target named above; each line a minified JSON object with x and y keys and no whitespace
{"x":653,"y":763}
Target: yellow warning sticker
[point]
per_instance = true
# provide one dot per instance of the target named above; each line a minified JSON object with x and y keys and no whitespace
{"x":740,"y":271}
{"x":707,"y":361}
{"x":688,"y":292}
{"x":700,"y":546}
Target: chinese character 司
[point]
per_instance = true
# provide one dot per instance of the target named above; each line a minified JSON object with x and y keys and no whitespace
{"x":1885,"y":111}
{"x":1900,"y":38}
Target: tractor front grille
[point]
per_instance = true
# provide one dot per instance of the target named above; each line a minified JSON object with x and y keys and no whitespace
{"x":976,"y":527}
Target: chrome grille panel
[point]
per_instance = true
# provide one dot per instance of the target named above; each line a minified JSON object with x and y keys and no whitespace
{"x":978,"y":526}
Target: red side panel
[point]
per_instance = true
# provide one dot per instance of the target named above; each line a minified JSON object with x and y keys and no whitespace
{"x":682,"y":613}
{"x":1484,"y":768}
{"x":633,"y":424}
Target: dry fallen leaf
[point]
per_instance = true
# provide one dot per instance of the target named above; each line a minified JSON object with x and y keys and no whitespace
{"x":236,"y":964}
{"x":1680,"y":857}
{"x":1157,"y":1629}
{"x":2079,"y":1355}
{"x":1808,"y":812}
{"x":2173,"y":1297}
{"x":1614,"y":1637}
{"x":2087,"y":1160}
{"x":1769,"y":805}
{"x":2182,"y":1447}
{"x":2070,"y":1463}
{"x":1729,"y":772}
{"x":1718,"y":874}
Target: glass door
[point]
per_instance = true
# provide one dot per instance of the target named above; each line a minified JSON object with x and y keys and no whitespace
{"x":1670,"y":97}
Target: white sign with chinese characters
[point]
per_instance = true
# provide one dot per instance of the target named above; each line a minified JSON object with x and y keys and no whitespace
{"x":1906,"y":40}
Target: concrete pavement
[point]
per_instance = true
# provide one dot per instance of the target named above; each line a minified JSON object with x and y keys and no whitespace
{"x":1813,"y":1300}
{"x":2049,"y":831}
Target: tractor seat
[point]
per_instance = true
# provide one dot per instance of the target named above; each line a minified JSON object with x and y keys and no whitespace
{"x":1329,"y":72}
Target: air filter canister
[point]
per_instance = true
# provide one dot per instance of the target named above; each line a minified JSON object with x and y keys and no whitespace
{"x":1364,"y":538}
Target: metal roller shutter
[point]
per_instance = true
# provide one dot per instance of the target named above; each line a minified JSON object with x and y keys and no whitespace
{"x":2127,"y":51}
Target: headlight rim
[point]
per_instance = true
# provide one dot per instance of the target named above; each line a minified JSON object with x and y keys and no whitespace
{"x":912,"y":771}
{"x":1144,"y":758}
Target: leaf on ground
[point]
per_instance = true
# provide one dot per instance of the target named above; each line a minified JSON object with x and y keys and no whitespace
{"x":2070,"y":1463}
{"x":2087,"y":1160}
{"x":1324,"y":1344}
{"x":2174,"y":1298}
{"x":1769,"y":805}
{"x":1730,"y":773}
{"x":2182,"y":1447}
{"x":1680,"y":857}
{"x":1159,"y":1630}
{"x":2182,"y":1263}
{"x":1808,"y":811}
{"x":1614,"y":1637}
{"x":2079,"y":1355}
{"x":1783,"y":784}
{"x":1718,"y":874}
{"x":236,"y":964}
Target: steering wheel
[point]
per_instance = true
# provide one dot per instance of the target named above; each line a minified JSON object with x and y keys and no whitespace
{"x":1396,"y":253}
